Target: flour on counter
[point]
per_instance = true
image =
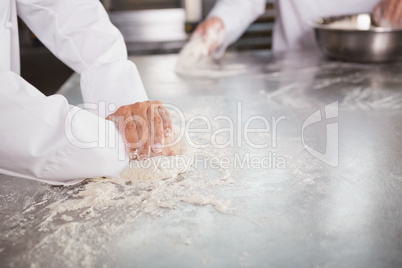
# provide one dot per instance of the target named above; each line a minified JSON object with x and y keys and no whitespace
{"x":371,"y":99}
{"x":78,"y":221}
{"x":85,"y":219}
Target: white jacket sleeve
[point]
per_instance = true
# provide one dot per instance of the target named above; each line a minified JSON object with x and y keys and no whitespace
{"x":46,"y":139}
{"x":236,"y":15}
{"x":80,"y":34}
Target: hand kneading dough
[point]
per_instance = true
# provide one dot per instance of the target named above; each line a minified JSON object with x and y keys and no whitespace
{"x":160,"y":167}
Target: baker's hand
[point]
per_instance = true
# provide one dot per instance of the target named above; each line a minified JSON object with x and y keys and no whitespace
{"x":146,"y":126}
{"x":171,"y":146}
{"x":212,"y":32}
{"x":388,"y":13}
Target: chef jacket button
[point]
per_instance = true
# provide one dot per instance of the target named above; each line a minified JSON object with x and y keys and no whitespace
{"x":8,"y":25}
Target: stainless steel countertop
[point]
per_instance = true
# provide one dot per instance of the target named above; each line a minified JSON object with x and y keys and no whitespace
{"x":306,"y":214}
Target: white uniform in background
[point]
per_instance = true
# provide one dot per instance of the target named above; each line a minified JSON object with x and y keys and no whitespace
{"x":291,"y":31}
{"x":33,"y":140}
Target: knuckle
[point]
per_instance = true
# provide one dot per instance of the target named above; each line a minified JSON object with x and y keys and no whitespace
{"x":122,"y":110}
{"x":137,"y":106}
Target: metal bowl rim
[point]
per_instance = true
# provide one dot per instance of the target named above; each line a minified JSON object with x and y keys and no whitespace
{"x":314,"y":24}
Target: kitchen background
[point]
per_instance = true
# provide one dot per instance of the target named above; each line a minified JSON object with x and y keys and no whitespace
{"x":148,"y":26}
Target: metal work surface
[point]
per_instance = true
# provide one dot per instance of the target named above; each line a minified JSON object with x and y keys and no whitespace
{"x":327,"y":193}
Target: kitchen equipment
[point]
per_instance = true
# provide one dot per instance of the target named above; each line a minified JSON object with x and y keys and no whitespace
{"x":356,"y":38}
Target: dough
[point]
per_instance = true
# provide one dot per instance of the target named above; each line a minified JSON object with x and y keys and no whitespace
{"x":195,"y":61}
{"x":160,"y":167}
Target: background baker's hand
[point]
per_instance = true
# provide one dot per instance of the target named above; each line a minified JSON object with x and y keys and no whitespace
{"x":211,"y":31}
{"x":388,"y":13}
{"x":145,"y":126}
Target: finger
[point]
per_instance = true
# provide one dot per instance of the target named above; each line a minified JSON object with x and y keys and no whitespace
{"x":110,"y":118}
{"x":157,"y":134}
{"x":167,"y":121}
{"x":126,"y":125}
{"x":388,"y":11}
{"x":377,"y":14}
{"x":131,"y":143}
{"x":393,"y":12}
{"x":143,"y":132}
{"x":131,"y":136}
{"x":172,"y":146}
{"x":398,"y":15}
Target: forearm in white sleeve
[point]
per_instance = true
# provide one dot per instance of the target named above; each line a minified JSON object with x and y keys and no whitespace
{"x":80,"y":34}
{"x":46,"y":139}
{"x":236,"y":15}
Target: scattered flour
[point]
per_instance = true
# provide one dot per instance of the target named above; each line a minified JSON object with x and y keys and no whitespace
{"x":96,"y":211}
{"x":369,"y":98}
{"x":66,"y":218}
{"x":74,"y":224}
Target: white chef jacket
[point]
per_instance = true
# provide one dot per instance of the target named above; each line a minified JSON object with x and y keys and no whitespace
{"x":291,"y":30}
{"x":45,"y":138}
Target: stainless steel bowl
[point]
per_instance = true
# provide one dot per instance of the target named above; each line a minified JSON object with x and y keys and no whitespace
{"x":356,"y":38}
